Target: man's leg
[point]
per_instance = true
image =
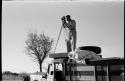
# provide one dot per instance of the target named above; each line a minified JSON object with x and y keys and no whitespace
{"x":74,"y":37}
{"x":68,"y":43}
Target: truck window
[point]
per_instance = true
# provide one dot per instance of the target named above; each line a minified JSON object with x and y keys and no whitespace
{"x":51,"y":73}
{"x":59,"y":67}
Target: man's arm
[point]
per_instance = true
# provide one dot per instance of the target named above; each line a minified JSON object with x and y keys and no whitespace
{"x":71,"y":25}
{"x":65,"y":25}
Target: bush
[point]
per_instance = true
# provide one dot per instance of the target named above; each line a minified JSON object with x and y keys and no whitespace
{"x":11,"y":77}
{"x":6,"y":73}
{"x":25,"y":76}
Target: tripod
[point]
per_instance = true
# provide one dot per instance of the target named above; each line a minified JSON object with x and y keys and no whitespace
{"x":58,"y":38}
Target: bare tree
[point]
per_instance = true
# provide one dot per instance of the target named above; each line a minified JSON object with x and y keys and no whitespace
{"x":38,"y":47}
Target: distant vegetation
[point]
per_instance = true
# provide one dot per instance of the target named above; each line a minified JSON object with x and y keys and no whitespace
{"x":7,"y":75}
{"x":7,"y":0}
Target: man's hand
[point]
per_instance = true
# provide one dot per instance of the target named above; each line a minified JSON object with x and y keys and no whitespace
{"x":63,"y":18}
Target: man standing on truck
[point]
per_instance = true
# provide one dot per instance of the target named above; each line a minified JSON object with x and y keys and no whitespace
{"x":69,"y":26}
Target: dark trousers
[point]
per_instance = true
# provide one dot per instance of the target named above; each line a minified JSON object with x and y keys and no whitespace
{"x":71,"y":41}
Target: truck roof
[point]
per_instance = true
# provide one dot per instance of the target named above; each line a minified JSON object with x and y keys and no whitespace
{"x":58,"y":55}
{"x":107,"y":61}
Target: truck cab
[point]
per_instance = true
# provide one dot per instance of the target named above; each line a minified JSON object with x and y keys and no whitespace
{"x":56,"y":71}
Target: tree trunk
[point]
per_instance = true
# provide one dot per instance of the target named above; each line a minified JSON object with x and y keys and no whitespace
{"x":40,"y":66}
{"x":41,"y":61}
{"x":43,"y":58}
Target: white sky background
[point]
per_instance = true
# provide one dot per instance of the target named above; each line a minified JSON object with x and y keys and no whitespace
{"x":98,"y":23}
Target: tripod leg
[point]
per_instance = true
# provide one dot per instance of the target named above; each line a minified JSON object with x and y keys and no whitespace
{"x":58,"y":39}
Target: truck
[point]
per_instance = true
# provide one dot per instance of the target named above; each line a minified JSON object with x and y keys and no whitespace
{"x":64,"y":68}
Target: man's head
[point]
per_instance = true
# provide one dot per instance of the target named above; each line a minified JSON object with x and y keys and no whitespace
{"x":68,"y":17}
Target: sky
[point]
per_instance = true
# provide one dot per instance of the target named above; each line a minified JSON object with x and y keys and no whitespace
{"x":98,"y":24}
{"x":62,"y":0}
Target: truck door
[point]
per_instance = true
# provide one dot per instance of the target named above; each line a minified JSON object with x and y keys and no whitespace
{"x":50,"y":72}
{"x":58,"y":72}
